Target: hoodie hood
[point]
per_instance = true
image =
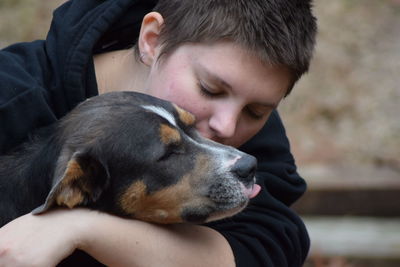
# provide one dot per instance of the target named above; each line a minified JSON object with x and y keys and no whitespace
{"x":80,"y":29}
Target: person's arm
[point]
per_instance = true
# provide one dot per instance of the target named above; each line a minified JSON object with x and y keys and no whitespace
{"x":122,"y":242}
{"x":44,"y":240}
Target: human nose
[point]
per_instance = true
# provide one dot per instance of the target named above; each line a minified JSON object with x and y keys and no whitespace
{"x":223,"y":123}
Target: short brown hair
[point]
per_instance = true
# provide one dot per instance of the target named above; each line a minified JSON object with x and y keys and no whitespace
{"x":278,"y":32}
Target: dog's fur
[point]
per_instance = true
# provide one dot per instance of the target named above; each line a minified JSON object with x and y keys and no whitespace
{"x":131,"y":155}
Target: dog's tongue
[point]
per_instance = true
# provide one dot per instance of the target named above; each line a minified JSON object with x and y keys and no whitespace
{"x":253,"y":191}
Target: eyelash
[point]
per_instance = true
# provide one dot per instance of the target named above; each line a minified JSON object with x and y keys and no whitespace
{"x":206,"y":93}
{"x":254,"y":115}
{"x":171,"y":150}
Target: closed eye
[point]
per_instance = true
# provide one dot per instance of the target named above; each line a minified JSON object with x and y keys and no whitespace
{"x":207,"y":91}
{"x":171,"y":150}
{"x":255,"y":114}
{"x":257,"y":111}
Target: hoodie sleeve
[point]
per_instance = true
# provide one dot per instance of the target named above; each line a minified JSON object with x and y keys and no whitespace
{"x":268,"y":233}
{"x":24,"y":95}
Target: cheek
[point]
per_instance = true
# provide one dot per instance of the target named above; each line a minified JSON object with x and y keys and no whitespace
{"x":171,"y":85}
{"x":244,"y":133}
{"x":163,"y":87}
{"x":168,"y":80}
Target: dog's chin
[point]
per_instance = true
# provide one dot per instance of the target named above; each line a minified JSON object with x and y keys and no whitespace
{"x":222,"y":214}
{"x":221,"y":203}
{"x":214,"y":212}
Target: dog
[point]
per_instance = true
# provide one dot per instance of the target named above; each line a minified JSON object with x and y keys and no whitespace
{"x":131,"y":155}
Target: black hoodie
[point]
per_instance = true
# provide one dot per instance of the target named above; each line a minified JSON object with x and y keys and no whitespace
{"x":41,"y":81}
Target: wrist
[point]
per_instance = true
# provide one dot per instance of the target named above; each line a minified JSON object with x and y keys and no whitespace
{"x":79,"y":223}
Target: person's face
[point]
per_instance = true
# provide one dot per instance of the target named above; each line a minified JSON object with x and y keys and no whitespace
{"x":229,"y":91}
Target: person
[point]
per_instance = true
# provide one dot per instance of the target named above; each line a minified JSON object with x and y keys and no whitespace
{"x":229,"y":62}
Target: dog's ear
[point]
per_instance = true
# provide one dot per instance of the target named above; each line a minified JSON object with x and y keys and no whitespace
{"x":84,"y":179}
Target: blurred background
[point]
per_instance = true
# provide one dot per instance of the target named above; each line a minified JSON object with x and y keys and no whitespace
{"x":342,"y":120}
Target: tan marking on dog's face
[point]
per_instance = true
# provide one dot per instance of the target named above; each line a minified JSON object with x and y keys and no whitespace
{"x":69,"y":195}
{"x":169,"y":135}
{"x":185,"y":116}
{"x":164,"y":206}
{"x":131,"y":198}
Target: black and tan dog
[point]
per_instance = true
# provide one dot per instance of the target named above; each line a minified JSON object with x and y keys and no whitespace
{"x":131,"y":155}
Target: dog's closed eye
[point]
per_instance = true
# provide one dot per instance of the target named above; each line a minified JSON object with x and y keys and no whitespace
{"x":171,"y":150}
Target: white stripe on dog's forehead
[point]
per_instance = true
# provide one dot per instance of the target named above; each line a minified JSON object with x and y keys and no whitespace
{"x":163,"y":113}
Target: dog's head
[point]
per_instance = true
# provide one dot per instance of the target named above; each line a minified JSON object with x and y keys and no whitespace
{"x":138,"y":156}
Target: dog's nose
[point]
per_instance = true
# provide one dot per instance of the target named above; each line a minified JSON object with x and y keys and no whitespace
{"x":245,"y":168}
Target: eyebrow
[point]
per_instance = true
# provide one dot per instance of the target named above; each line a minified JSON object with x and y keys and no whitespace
{"x":222,"y":83}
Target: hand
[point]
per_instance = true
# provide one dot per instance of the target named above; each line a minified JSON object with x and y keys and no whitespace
{"x":44,"y":240}
{"x":40,"y":240}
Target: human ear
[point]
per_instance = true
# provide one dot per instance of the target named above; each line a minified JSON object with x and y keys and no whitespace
{"x":149,"y":37}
